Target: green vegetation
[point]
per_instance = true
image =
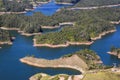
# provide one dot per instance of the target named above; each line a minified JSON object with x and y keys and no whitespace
{"x":48,"y":77}
{"x":87,"y":3}
{"x":115,"y":50}
{"x":1,"y":5}
{"x":24,"y":23}
{"x":104,"y":75}
{"x":71,"y":34}
{"x":15,"y":5}
{"x":4,"y":36}
{"x":89,"y":24}
{"x":95,"y":75}
{"x":90,"y":57}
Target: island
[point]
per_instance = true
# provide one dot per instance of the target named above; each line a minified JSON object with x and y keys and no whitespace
{"x":115,"y":51}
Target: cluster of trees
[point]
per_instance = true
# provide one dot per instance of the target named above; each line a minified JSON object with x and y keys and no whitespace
{"x":115,"y":50}
{"x":1,"y":5}
{"x":89,"y":24}
{"x":24,"y":23}
{"x":71,"y":34}
{"x":90,"y":57}
{"x":15,"y":5}
{"x":4,"y":35}
{"x":87,"y":3}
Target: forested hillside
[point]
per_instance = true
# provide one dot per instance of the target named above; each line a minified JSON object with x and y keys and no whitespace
{"x":85,"y":18}
{"x":4,"y":36}
{"x":15,"y":5}
{"x":87,"y":3}
{"x":89,"y":24}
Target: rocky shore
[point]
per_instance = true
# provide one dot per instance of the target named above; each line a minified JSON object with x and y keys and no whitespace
{"x":73,"y":62}
{"x":41,"y":76}
{"x":50,"y":27}
{"x":114,"y":53}
{"x":61,"y":45}
{"x":115,"y":22}
{"x":64,"y":3}
{"x":6,"y":42}
{"x":1,"y":13}
{"x":21,"y":32}
{"x":72,"y":43}
{"x":103,"y":34}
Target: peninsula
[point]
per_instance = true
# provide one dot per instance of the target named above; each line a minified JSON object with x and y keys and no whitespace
{"x":77,"y":60}
{"x":115,"y":51}
{"x":86,"y":61}
{"x":5,"y":37}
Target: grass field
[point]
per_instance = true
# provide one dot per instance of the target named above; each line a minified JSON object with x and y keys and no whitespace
{"x":102,"y":76}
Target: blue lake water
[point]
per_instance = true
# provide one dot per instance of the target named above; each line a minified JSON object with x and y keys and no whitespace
{"x":12,"y":69}
{"x":46,"y":9}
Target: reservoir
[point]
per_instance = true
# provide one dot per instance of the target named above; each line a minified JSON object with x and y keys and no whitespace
{"x":12,"y":69}
{"x":47,"y":9}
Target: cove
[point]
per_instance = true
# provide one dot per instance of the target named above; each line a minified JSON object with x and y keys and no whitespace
{"x":11,"y":67}
{"x":47,"y":9}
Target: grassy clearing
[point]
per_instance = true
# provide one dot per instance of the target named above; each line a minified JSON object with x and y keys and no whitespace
{"x":102,"y":76}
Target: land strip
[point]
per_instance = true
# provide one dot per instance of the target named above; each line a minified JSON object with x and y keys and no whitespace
{"x":72,"y":43}
{"x":21,"y":32}
{"x":73,"y":62}
{"x":95,"y":7}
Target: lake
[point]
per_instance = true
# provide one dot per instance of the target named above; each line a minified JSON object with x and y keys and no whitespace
{"x":12,"y":69}
{"x":47,"y":9}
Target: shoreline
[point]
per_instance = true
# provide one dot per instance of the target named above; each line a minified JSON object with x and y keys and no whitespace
{"x":2,"y":13}
{"x":50,"y":27}
{"x":5,"y":42}
{"x":21,"y":32}
{"x":72,"y":43}
{"x":25,"y":11}
{"x":73,"y":62}
{"x":115,"y":54}
{"x":115,"y":22}
{"x":28,"y":34}
{"x":61,"y":76}
{"x":63,"y":3}
{"x":61,"y":45}
{"x":103,"y":34}
{"x":58,"y":26}
{"x":93,"y":7}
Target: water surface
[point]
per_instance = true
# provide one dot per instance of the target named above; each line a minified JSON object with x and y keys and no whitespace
{"x":12,"y":69}
{"x":47,"y":9}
